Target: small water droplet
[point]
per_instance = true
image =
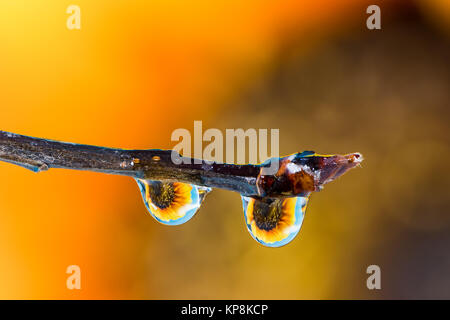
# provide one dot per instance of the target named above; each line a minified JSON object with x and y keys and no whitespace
{"x":274,"y":222}
{"x":171,"y":203}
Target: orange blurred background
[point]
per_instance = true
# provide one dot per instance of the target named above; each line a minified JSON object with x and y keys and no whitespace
{"x":137,"y":70}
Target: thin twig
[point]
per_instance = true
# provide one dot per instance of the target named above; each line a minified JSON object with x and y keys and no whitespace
{"x":42,"y":154}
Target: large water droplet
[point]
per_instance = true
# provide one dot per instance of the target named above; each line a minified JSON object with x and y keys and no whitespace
{"x":171,"y":203}
{"x":274,"y":222}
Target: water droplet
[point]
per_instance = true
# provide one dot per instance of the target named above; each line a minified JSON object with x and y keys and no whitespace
{"x":274,"y":222}
{"x":171,"y":203}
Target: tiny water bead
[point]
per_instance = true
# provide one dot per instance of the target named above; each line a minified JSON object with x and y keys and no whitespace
{"x":171,"y":203}
{"x":274,"y":222}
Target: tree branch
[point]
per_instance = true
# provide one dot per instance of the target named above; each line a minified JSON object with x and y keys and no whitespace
{"x":313,"y":170}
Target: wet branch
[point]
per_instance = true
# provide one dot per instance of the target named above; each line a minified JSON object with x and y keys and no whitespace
{"x":298,"y":174}
{"x":41,"y":154}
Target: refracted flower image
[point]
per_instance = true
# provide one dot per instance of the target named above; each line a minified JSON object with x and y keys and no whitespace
{"x":274,"y":222}
{"x":171,"y":203}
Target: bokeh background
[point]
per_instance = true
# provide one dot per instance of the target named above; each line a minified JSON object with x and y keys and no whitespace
{"x":137,"y":70}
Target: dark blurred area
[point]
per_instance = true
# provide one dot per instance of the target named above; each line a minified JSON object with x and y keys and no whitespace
{"x":382,"y":93}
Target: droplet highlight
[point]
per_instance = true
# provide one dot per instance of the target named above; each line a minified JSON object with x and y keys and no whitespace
{"x":274,"y":222}
{"x":171,"y":203}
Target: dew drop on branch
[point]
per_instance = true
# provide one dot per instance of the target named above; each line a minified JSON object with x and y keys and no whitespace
{"x":274,"y":222}
{"x":171,"y":203}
